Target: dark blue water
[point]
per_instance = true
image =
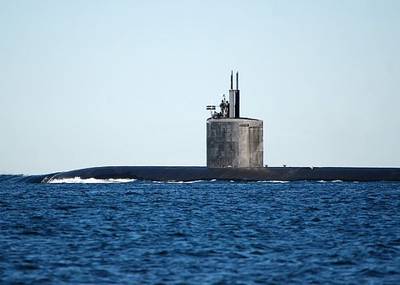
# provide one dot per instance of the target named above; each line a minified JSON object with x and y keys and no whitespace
{"x":204,"y":232}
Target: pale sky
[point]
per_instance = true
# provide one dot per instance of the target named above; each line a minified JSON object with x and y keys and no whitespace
{"x":94,"y":83}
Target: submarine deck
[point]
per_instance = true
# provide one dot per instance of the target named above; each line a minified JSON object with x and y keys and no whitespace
{"x":191,"y":173}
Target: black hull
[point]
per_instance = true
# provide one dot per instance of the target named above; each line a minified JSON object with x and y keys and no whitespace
{"x":183,"y":173}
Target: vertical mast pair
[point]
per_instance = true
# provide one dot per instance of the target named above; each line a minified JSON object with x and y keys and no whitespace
{"x":234,"y":98}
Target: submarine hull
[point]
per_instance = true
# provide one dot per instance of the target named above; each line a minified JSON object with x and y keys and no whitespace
{"x":189,"y":173}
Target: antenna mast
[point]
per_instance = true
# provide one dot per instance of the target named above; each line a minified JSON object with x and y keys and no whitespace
{"x":234,"y":98}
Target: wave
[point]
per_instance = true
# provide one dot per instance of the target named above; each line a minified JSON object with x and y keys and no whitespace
{"x":332,"y":181}
{"x":185,"y":182}
{"x":272,"y":181}
{"x":180,"y":182}
{"x":21,"y":178}
{"x":89,"y":180}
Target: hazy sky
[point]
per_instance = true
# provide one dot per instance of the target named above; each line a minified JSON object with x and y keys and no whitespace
{"x":92,"y":83}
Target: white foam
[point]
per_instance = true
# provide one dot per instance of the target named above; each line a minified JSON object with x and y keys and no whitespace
{"x":177,"y":182}
{"x":337,"y":181}
{"x":90,"y":180}
{"x":184,"y":182}
{"x":272,"y":181}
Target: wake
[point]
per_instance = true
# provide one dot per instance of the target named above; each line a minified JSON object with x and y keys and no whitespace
{"x":79,"y":180}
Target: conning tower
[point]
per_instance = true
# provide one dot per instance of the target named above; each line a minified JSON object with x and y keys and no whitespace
{"x":233,"y":141}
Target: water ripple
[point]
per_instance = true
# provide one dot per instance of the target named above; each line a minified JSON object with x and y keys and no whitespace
{"x":202,"y":232}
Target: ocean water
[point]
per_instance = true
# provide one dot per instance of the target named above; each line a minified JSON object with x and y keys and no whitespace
{"x":204,"y":232}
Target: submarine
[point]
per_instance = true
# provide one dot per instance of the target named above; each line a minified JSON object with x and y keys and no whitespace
{"x":235,"y":152}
